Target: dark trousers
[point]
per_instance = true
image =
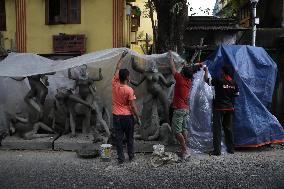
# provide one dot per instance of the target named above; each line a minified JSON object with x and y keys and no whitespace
{"x":223,"y":119}
{"x":124,"y":126}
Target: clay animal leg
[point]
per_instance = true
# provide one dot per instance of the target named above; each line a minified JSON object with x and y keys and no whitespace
{"x":106,"y":116}
{"x":87,"y":119}
{"x":29,"y":100}
{"x":155,"y":136}
{"x":147,"y":111}
{"x":41,"y":125}
{"x":67,"y":125}
{"x":42,"y":93}
{"x":72,"y":123}
{"x":33,"y":134}
{"x":100,"y":118}
{"x":164,"y":102}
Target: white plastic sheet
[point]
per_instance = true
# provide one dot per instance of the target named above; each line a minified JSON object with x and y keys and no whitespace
{"x":200,"y":136}
{"x":13,"y":92}
{"x":200,"y":117}
{"x":27,"y":64}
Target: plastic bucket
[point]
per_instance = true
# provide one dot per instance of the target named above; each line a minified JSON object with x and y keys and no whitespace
{"x":105,"y":152}
{"x":159,"y":149}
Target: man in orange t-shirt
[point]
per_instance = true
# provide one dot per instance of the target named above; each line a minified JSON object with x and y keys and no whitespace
{"x":123,"y":109}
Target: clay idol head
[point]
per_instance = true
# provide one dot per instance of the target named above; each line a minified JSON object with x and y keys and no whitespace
{"x":83,"y":72}
{"x":152,"y":66}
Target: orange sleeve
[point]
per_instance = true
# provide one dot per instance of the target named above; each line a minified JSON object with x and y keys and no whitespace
{"x":131,"y":95}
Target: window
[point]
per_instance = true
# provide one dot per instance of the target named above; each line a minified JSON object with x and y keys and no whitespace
{"x":2,"y":16}
{"x":62,"y":11}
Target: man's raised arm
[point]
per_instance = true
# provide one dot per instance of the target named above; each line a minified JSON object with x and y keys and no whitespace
{"x":206,"y":79}
{"x":172,"y":64}
{"x":119,"y":64}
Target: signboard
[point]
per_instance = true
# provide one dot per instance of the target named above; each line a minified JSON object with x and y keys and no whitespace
{"x":64,"y":43}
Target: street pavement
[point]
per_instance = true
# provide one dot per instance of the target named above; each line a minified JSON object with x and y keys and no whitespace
{"x":262,"y":168}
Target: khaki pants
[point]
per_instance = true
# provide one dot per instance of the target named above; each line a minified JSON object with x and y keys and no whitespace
{"x":179,"y":120}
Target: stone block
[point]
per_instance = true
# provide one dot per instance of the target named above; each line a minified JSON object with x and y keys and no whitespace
{"x":17,"y":143}
{"x":81,"y":141}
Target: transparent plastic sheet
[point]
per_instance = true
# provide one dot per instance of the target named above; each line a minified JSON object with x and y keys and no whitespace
{"x":27,"y":64}
{"x":200,"y":116}
{"x":199,"y":126}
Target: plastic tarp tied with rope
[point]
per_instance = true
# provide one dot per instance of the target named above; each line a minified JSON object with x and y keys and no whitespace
{"x":255,"y":73}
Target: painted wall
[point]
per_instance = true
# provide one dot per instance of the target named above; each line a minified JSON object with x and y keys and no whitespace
{"x":145,"y":23}
{"x":9,"y":35}
{"x":145,"y":26}
{"x":126,"y":27}
{"x":96,"y":24}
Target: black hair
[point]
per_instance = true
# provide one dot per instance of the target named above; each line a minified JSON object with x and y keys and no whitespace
{"x":227,"y":70}
{"x":188,"y":71}
{"x":123,"y":74}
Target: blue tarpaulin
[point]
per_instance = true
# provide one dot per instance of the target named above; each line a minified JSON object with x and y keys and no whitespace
{"x":255,"y":73}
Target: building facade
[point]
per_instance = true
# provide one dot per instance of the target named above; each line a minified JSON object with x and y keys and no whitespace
{"x":212,"y":31}
{"x":269,"y":12}
{"x":65,"y":26}
{"x":142,"y":36}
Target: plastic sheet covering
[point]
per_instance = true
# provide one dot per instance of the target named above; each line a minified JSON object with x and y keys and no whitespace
{"x":199,"y":125}
{"x":255,"y":74}
{"x":27,"y":64}
{"x":200,"y":116}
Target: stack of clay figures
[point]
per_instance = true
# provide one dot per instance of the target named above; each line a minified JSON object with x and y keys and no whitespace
{"x":79,"y":109}
{"x":72,"y":110}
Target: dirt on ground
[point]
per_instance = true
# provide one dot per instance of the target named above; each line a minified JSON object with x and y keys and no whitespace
{"x":260,"y":168}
